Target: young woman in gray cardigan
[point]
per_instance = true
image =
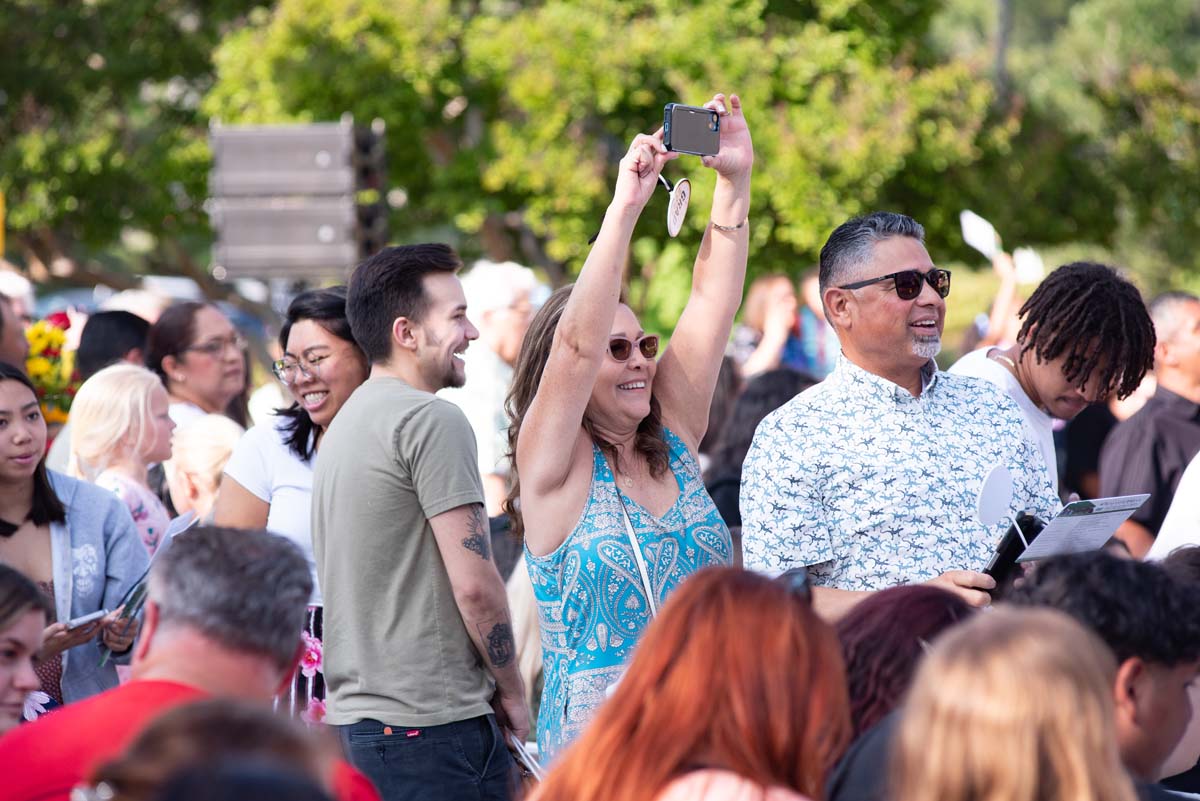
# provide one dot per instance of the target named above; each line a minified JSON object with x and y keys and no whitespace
{"x":75,"y":540}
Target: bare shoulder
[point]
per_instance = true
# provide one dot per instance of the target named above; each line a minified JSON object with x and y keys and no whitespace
{"x":550,"y":516}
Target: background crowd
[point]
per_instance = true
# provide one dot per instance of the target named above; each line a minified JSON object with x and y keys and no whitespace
{"x":475,"y":519}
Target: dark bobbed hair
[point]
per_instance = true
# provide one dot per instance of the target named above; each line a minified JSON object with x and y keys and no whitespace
{"x":327,"y":308}
{"x":107,"y":337}
{"x":1137,"y":608}
{"x":171,"y":334}
{"x":203,"y":735}
{"x":1097,"y":319}
{"x":883,"y":640}
{"x":19,"y":595}
{"x":527,"y":376}
{"x":391,"y":284}
{"x":46,"y":508}
{"x":764,"y":393}
{"x":736,"y":673}
{"x":851,"y":243}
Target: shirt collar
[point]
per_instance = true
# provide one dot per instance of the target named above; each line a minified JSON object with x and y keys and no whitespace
{"x":879,"y":387}
{"x":1176,"y":405}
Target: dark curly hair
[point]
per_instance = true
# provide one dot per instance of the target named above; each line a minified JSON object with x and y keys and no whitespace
{"x":1097,"y":319}
{"x":883,"y":639}
{"x":1137,"y":608}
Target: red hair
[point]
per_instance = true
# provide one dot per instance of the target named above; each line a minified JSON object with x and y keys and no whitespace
{"x":737,"y":673}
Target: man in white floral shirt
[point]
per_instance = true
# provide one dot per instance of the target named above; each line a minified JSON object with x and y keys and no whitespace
{"x":871,"y":478}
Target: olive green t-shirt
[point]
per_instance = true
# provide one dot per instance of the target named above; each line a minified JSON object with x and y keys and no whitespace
{"x":396,"y":648}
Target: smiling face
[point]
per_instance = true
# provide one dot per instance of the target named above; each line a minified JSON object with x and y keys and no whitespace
{"x":159,"y":428}
{"x":333,"y":369}
{"x":621,"y":395}
{"x":880,"y":331}
{"x":19,"y":644}
{"x":22,"y":432}
{"x":443,"y":333}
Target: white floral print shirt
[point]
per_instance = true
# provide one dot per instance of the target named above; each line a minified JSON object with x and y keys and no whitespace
{"x":871,"y":487}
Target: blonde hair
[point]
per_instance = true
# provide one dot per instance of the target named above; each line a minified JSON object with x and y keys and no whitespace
{"x":111,"y":418}
{"x":203,"y":446}
{"x":1014,"y":705}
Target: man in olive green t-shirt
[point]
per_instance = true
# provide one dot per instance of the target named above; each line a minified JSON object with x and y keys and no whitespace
{"x":419,"y":658}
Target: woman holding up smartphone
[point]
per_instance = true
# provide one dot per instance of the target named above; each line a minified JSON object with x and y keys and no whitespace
{"x":604,"y":437}
{"x":76,"y":541}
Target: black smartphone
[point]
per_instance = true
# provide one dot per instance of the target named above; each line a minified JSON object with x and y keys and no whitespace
{"x":690,"y":129}
{"x":1003,"y":565}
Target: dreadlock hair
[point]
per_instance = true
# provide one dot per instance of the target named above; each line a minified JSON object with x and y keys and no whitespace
{"x":1088,"y":312}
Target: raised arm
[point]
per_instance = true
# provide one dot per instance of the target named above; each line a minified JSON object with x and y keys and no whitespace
{"x":580,"y":341}
{"x":688,"y":371}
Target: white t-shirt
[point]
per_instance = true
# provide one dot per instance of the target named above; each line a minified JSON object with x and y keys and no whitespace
{"x":269,"y":470}
{"x":1181,"y":526}
{"x":1039,"y":426}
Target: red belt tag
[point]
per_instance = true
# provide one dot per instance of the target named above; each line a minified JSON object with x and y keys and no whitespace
{"x":413,"y":733}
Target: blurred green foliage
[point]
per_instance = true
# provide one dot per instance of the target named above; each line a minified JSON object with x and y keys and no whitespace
{"x":505,"y":120}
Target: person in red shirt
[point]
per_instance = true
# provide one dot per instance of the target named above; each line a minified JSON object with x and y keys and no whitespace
{"x":223,"y":618}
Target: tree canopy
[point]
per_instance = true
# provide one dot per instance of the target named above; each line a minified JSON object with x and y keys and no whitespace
{"x":1071,"y":121}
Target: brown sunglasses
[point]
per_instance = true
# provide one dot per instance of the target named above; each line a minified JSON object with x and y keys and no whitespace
{"x":622,"y":348}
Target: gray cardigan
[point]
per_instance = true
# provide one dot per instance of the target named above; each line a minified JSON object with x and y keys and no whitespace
{"x":97,"y":556}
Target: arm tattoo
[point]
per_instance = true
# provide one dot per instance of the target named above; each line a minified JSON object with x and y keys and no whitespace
{"x":479,"y":541}
{"x":501,"y":649}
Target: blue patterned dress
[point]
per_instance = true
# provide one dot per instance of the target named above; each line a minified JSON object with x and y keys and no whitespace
{"x":591,"y":604}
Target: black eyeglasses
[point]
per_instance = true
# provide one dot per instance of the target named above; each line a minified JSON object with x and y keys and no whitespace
{"x":796,"y":581}
{"x":622,"y":348}
{"x":908,"y":282}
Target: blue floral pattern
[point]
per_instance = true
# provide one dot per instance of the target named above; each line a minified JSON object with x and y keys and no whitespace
{"x":871,"y":487}
{"x":591,"y":604}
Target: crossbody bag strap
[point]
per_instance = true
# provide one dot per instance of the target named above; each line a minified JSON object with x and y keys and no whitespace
{"x":637,"y":555}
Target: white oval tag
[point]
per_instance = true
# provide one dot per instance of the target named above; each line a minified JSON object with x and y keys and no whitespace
{"x":677,"y":206}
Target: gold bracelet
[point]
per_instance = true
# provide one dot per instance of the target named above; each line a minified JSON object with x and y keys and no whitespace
{"x":727,"y":228}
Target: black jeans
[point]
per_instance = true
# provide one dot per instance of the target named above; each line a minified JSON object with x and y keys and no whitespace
{"x":463,"y":761}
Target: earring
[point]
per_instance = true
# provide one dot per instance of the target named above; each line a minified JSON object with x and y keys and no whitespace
{"x":180,"y":377}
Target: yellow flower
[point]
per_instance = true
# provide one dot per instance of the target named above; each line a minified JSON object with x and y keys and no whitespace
{"x":53,"y":414}
{"x":38,"y":367}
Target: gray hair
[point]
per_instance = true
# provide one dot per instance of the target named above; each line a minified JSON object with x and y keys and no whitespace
{"x":851,"y":243}
{"x":246,"y":589}
{"x":1165,"y":313}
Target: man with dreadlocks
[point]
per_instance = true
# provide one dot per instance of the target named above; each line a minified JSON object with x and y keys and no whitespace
{"x":1085,"y":334}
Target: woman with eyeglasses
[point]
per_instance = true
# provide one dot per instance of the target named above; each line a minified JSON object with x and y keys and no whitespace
{"x":607,"y":490}
{"x":200,"y":357}
{"x":268,"y":479}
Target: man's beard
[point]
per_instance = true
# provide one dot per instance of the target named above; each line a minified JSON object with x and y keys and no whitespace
{"x":927,"y":347}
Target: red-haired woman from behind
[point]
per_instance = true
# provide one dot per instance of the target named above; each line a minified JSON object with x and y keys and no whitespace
{"x":737,"y":692}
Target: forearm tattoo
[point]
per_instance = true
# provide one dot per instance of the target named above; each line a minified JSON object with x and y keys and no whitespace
{"x":501,"y":650}
{"x":479,"y":540}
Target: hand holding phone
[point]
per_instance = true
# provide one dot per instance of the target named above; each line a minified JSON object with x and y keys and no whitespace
{"x":691,"y":129}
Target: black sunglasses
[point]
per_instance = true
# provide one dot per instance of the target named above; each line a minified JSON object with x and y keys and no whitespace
{"x":908,"y":282}
{"x":797,"y":583}
{"x":622,"y":348}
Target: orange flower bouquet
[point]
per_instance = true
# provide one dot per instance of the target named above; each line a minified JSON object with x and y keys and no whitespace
{"x":51,"y":369}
